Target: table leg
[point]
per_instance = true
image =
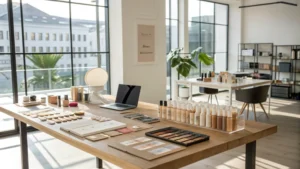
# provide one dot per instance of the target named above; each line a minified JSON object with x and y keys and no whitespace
{"x":250,"y":155}
{"x":24,"y":145}
{"x":269,"y":111}
{"x":99,"y":163}
{"x":230,"y":97}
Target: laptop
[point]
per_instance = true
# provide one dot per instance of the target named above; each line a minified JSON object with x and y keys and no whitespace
{"x":127,"y":98}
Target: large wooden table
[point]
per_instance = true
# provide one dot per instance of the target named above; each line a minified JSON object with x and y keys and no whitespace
{"x":218,"y":143}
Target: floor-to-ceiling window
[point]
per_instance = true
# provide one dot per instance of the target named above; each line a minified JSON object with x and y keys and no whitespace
{"x":208,"y":28}
{"x":171,"y":35}
{"x":55,"y":43}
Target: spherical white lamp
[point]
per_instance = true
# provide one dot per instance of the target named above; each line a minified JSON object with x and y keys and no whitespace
{"x":95,"y":79}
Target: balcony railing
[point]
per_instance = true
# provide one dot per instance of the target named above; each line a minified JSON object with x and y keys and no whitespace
{"x":43,"y":81}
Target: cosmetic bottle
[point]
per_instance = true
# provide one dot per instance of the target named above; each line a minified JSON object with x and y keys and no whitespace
{"x":178,"y":112}
{"x":234,"y":119}
{"x":174,"y":109}
{"x":160,"y":109}
{"x":192,"y":114}
{"x":58,"y":101}
{"x":183,"y":111}
{"x":214,"y":118}
{"x":197,"y":115}
{"x":203,"y":116}
{"x":219,"y":118}
{"x":169,"y":109}
{"x":164,"y":110}
{"x":208,"y":117}
{"x":66,"y":101}
{"x":224,"y":118}
{"x":229,"y":121}
{"x":187,"y":114}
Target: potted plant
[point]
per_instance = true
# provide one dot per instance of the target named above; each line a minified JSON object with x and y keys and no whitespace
{"x":184,"y":64}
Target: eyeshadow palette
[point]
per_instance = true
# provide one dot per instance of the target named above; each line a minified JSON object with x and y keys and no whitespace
{"x":143,"y":118}
{"x":178,"y":136}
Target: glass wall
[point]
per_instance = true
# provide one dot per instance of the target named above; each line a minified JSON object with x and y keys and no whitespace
{"x":55,"y":45}
{"x":208,"y":28}
{"x":172,"y":41}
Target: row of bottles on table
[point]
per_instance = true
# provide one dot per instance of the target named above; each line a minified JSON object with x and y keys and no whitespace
{"x":202,"y":114}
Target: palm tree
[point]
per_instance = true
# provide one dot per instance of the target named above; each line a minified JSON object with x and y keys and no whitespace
{"x":48,"y":75}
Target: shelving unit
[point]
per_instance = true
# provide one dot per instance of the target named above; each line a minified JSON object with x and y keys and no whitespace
{"x":272,"y":51}
{"x":262,"y":56}
{"x":293,"y":75}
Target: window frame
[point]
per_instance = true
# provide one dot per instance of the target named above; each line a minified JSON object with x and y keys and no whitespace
{"x":214,"y":24}
{"x":170,"y":19}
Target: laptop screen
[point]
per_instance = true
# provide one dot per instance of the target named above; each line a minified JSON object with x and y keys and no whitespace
{"x":128,"y":94}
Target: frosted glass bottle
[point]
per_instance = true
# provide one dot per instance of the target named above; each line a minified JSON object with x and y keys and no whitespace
{"x":197,"y":115}
{"x":183,"y":112}
{"x":178,"y":111}
{"x":173,"y":114}
{"x":214,"y":117}
{"x":208,"y":117}
{"x":192,"y":114}
{"x":203,"y":116}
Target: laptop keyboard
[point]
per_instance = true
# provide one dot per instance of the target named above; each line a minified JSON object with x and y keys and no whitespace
{"x":121,"y":105}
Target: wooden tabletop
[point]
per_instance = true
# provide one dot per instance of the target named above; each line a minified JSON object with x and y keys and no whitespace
{"x":218,"y":85}
{"x":219,"y":142}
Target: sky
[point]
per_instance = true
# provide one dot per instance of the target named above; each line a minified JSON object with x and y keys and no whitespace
{"x":62,"y":9}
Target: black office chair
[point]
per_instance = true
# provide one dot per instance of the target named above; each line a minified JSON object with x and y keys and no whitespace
{"x":256,"y":95}
{"x":210,"y":92}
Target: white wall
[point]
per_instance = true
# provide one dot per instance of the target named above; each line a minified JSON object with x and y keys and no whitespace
{"x":278,"y":23}
{"x":152,"y":77}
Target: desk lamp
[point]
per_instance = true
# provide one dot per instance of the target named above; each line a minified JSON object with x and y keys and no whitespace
{"x":95,"y":79}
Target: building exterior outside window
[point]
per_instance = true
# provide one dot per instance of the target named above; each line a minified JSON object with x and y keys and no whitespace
{"x":1,"y":35}
{"x":32,"y":36}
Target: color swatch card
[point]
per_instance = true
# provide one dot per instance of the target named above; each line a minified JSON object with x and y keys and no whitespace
{"x":163,"y":150}
{"x":145,"y":147}
{"x":148,"y":145}
{"x":135,"y":141}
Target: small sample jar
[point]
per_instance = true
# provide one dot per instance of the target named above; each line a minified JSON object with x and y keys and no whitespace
{"x":33,"y":98}
{"x":26,"y":99}
{"x":43,"y":99}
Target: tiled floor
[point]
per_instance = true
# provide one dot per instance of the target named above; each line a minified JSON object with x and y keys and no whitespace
{"x":278,"y":151}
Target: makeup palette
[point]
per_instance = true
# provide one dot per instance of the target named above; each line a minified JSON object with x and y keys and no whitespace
{"x":142,"y":118}
{"x":178,"y":136}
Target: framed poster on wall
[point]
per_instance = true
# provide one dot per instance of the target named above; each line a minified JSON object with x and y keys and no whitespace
{"x":146,"y":43}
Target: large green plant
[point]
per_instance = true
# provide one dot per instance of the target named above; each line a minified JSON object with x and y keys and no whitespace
{"x":184,"y":63}
{"x":43,"y":78}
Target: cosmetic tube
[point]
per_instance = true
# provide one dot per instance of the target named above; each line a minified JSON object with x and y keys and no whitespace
{"x":208,"y":117}
{"x":214,"y":117}
{"x":160,"y":109}
{"x":229,"y":121}
{"x":192,"y":114}
{"x":178,"y":112}
{"x":219,"y":118}
{"x":224,"y":118}
{"x":187,"y":114}
{"x":174,"y":109}
{"x":164,"y":110}
{"x":197,"y":115}
{"x":183,"y":112}
{"x":234,"y":119}
{"x":203,"y":116}
{"x":169,"y":109}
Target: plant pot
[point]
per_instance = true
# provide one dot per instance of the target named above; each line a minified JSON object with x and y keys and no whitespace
{"x":184,"y":92}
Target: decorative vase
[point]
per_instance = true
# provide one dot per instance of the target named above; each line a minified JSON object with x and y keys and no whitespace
{"x":184,"y":92}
